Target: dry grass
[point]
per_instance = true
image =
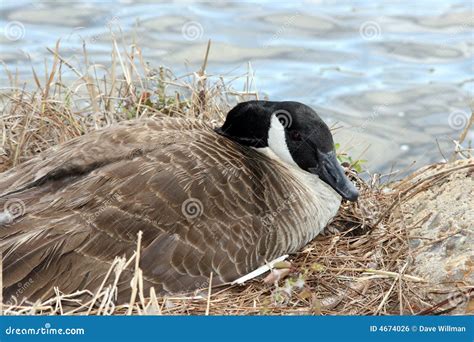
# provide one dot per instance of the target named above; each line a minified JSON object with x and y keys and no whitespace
{"x":52,"y":110}
{"x":360,"y":267}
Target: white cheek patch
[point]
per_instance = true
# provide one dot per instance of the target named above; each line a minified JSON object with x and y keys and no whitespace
{"x":277,"y":141}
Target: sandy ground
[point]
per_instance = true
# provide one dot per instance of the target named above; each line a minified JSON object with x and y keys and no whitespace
{"x":440,"y":228}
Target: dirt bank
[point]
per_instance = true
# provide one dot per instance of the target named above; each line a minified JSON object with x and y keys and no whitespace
{"x":440,"y":227}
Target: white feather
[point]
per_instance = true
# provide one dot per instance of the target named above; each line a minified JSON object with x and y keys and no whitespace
{"x":260,"y":270}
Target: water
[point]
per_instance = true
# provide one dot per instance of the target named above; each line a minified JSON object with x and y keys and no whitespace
{"x":397,"y":75}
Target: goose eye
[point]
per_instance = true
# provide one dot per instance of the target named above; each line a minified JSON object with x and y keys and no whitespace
{"x":295,"y":136}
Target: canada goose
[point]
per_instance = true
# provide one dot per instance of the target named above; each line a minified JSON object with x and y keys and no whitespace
{"x":223,"y":200}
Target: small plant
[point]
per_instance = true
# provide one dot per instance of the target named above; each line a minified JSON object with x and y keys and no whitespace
{"x":347,"y":161}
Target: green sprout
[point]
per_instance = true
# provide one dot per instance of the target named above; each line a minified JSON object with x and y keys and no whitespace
{"x":346,"y":160}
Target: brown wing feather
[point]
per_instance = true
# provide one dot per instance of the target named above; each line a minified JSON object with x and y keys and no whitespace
{"x":86,"y":201}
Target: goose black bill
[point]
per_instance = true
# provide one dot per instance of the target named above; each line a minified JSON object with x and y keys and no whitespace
{"x":332,"y":173}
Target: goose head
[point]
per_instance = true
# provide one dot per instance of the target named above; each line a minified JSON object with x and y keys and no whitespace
{"x":295,"y":133}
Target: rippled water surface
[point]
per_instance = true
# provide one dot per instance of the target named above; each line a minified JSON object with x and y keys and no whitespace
{"x":398,"y":75}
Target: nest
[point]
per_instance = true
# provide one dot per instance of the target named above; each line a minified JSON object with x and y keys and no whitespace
{"x":361,"y":265}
